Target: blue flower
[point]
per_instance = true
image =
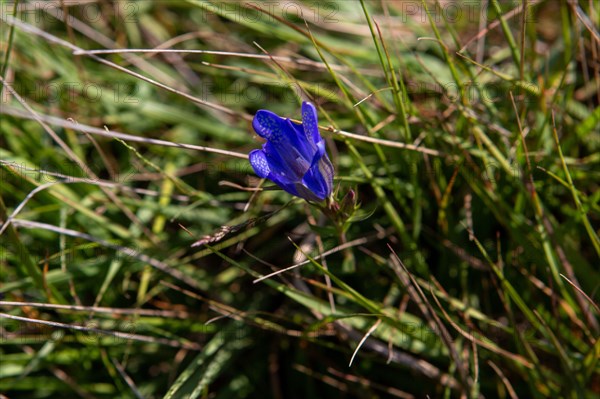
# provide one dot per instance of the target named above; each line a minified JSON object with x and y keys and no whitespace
{"x":294,"y":156}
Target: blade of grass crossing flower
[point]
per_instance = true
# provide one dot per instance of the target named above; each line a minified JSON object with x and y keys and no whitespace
{"x":379,"y":192}
{"x":343,"y":60}
{"x":389,"y":71}
{"x":363,"y":117}
{"x":399,"y":92}
{"x":400,"y":100}
{"x":400,"y":97}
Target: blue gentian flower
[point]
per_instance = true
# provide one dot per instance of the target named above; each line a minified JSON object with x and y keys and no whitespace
{"x":294,"y":156}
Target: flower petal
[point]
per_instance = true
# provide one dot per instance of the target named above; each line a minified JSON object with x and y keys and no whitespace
{"x":287,"y":138}
{"x":307,"y":193}
{"x":291,"y":188}
{"x":259,"y":163}
{"x":265,"y":168}
{"x":268,"y":125}
{"x":295,"y":139}
{"x":294,"y":156}
{"x":286,"y":161}
{"x":319,"y":178}
{"x":310,"y":122}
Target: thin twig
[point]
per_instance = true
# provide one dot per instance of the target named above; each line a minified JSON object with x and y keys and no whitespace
{"x":100,"y":309}
{"x":358,"y":241}
{"x":114,"y":134}
{"x":119,"y":334}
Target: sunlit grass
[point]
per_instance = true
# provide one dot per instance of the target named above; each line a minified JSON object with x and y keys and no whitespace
{"x":471,"y":141}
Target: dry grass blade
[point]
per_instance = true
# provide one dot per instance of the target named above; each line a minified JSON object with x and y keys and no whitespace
{"x":480,"y":342}
{"x":53,"y":39}
{"x":366,"y":382}
{"x":127,"y":378}
{"x":349,"y":244}
{"x":417,"y":295}
{"x":491,"y":197}
{"x":505,"y":381}
{"x":362,"y":341}
{"x":383,"y":142}
{"x":73,"y":156}
{"x":405,"y":359}
{"x":179,"y":314}
{"x":116,"y":334}
{"x":125,"y":250}
{"x":22,"y":170}
{"x":590,"y":300}
{"x":117,"y":135}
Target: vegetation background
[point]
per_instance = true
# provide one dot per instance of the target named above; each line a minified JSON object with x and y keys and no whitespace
{"x":469,"y":132}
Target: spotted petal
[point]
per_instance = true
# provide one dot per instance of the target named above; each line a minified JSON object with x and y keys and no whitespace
{"x":310,"y":122}
{"x":269,"y":125}
{"x":285,"y":138}
{"x":259,"y":163}
{"x":294,"y":156}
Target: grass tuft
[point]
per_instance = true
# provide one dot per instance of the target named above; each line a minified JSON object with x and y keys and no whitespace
{"x":140,"y":256}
